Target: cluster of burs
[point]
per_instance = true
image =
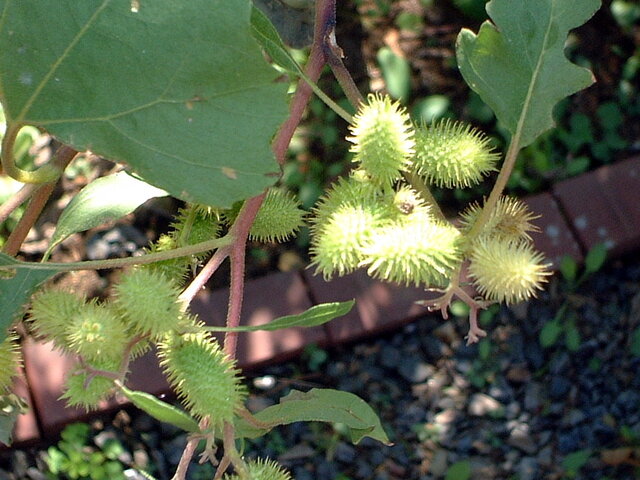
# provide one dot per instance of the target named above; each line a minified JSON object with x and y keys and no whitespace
{"x":383,"y":216}
{"x":144,"y":310}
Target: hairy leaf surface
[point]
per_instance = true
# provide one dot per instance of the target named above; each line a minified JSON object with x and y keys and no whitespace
{"x":178,"y":90}
{"x":517,"y":63}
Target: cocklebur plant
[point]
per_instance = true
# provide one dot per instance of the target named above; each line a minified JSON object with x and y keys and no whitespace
{"x":189,"y":116}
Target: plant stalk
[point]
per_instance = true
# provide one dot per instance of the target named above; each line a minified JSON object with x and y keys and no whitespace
{"x":423,"y":190}
{"x":125,"y":262}
{"x":17,"y":199}
{"x":63,"y":157}
{"x":498,"y":188}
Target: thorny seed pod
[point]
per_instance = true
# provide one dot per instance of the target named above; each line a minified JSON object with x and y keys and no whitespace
{"x":148,"y":300}
{"x":507,"y":271}
{"x":382,"y":137}
{"x":203,"y":376}
{"x":453,"y":155}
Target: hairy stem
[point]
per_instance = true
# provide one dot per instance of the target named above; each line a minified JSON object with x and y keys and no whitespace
{"x":204,"y":275}
{"x":241,"y":229}
{"x":17,"y":199}
{"x":185,"y":459}
{"x":125,"y":262}
{"x":325,"y":11}
{"x":63,"y":156}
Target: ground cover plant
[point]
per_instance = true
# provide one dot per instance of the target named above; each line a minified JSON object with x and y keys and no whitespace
{"x":203,"y":125}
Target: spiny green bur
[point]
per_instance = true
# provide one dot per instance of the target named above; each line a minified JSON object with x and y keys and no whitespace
{"x":10,"y":360}
{"x":204,"y":377}
{"x":50,"y":312}
{"x":97,"y":332}
{"x":86,"y":390}
{"x":262,"y":470}
{"x":148,"y":300}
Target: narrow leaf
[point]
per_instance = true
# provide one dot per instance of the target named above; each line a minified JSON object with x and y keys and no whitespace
{"x":595,"y":258}
{"x":568,"y":268}
{"x":178,"y":90}
{"x":266,"y":35}
{"x":550,"y":333}
{"x":517,"y":64}
{"x":319,"y":405}
{"x":316,"y":315}
{"x":16,"y":287}
{"x":105,"y":199}
{"x":160,"y":410}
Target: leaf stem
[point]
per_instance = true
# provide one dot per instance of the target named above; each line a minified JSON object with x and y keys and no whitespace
{"x":204,"y":275}
{"x":334,"y":57}
{"x":498,"y":188}
{"x":45,"y":174}
{"x":17,"y":199}
{"x":124,"y":262}
{"x":328,"y":101}
{"x":423,"y":190}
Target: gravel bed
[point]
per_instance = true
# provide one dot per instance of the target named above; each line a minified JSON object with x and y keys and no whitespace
{"x":511,"y":409}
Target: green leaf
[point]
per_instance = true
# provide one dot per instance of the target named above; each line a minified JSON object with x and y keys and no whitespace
{"x":266,"y":35}
{"x":396,"y":72}
{"x":178,"y":90}
{"x":568,"y":268}
{"x":550,"y":333}
{"x":573,"y":462}
{"x":316,"y":315}
{"x":16,"y":287}
{"x":160,"y":410}
{"x":572,"y":337}
{"x":595,"y":258}
{"x":318,"y":405}
{"x":517,"y":64}
{"x":105,"y":199}
{"x":11,"y":406}
{"x":459,"y":471}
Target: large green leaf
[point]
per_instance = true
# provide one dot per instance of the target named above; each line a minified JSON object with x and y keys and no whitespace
{"x":16,"y":287}
{"x":105,"y":199}
{"x":316,"y":315}
{"x":517,"y":64}
{"x":179,"y":90}
{"x":319,"y":405}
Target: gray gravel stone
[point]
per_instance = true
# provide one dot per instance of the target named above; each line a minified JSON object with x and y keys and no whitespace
{"x":520,"y":437}
{"x":415,"y":371}
{"x":481,"y":405}
{"x":527,"y":469}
